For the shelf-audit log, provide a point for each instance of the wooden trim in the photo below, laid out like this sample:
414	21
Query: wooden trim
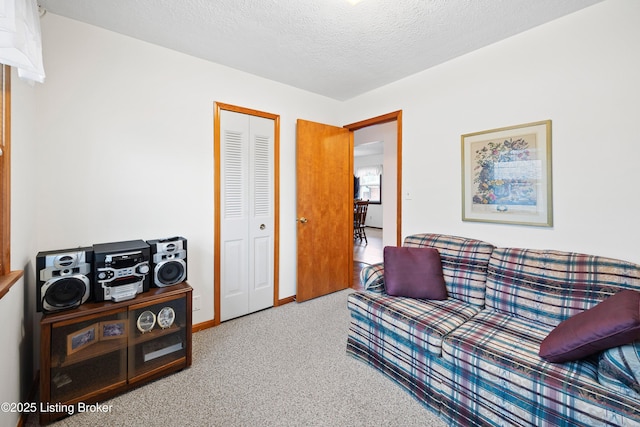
219	106
386	118
276	206
202	326
287	300
399	179
248	111
216	214
8	280
5	171
351	189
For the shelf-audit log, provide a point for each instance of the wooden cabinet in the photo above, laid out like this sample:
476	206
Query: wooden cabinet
99	350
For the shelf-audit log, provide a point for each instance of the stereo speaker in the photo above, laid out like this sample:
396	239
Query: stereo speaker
168	261
63	278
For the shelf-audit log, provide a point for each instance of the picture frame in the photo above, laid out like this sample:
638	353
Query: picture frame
113	329
506	175
83	338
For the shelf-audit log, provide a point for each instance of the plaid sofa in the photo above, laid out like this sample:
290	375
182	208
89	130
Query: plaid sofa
473	358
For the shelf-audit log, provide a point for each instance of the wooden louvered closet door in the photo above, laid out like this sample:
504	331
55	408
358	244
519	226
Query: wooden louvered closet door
247	214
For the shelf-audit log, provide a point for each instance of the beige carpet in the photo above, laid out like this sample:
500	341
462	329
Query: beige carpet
285	366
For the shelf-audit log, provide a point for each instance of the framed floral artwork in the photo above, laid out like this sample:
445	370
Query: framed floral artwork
506	175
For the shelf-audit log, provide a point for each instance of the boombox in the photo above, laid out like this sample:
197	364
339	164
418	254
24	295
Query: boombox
63	278
169	261
121	270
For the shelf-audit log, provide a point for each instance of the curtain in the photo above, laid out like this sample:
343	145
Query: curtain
369	171
20	38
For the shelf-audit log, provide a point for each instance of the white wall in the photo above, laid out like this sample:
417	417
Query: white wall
126	145
18	317
11	340
580	71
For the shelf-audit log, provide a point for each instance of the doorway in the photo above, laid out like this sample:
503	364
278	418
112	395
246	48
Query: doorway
384	132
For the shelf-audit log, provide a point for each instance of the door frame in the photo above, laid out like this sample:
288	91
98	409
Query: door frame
218	107
386	118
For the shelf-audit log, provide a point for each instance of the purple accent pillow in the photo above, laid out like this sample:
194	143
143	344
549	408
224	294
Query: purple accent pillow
414	273
612	323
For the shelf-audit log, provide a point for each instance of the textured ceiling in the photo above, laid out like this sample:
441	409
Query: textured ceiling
329	47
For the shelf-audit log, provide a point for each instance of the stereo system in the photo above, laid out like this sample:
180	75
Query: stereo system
121	270
115	271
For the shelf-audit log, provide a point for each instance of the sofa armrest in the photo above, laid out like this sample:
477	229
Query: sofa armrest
372	278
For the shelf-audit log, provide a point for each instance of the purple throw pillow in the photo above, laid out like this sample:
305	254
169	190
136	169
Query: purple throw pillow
611	323
414	273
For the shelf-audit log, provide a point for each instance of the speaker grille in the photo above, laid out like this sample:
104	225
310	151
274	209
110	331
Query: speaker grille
170	273
65	293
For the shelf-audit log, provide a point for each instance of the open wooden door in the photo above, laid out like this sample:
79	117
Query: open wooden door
324	180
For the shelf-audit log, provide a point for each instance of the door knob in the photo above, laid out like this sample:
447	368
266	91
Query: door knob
262	226
303	220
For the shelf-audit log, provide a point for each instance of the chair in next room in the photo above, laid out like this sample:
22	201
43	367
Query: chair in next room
359	216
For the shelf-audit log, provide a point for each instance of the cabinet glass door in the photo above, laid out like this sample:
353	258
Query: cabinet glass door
88	355
158	336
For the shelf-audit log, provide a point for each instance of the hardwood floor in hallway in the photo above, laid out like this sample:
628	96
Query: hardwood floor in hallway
364	253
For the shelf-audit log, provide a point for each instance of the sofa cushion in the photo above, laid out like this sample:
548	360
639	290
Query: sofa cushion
464	264
418	322
619	369
496	373
611	323
548	286
414	273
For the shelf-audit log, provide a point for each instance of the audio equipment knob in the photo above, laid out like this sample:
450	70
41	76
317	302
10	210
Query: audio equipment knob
102	275
143	269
